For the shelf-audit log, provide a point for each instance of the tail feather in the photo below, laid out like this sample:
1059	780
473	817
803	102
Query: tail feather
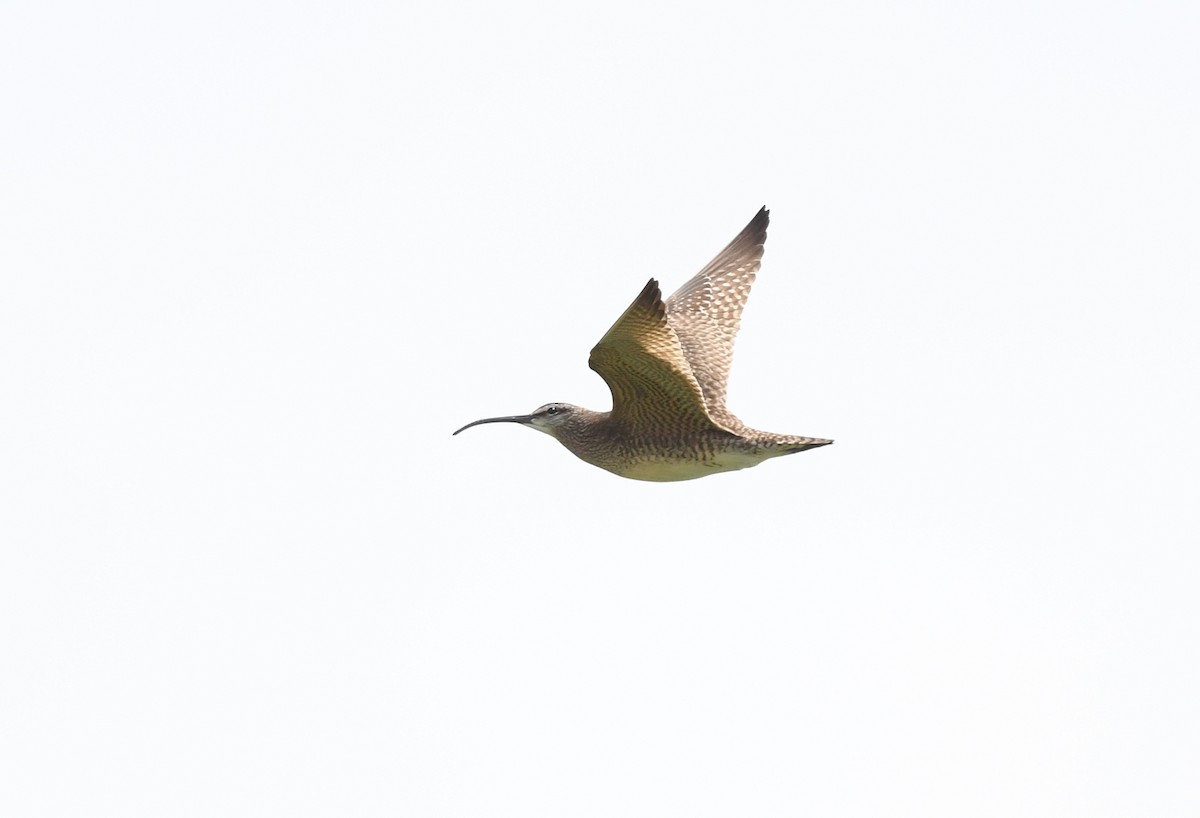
779	445
800	444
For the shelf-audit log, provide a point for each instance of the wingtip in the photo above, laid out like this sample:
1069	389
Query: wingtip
756	228
651	294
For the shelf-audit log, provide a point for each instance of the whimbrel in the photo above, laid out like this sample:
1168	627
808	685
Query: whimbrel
667	364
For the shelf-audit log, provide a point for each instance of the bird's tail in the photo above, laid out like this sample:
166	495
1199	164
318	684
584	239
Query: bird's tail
779	445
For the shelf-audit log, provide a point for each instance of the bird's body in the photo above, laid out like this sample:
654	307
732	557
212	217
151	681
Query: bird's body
667	365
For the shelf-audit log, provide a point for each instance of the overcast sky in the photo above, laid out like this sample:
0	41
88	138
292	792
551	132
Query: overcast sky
259	260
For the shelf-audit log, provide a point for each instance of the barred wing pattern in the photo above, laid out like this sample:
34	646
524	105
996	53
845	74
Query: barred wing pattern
641	360
705	314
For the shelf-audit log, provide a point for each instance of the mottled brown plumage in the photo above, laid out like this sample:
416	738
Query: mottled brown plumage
667	365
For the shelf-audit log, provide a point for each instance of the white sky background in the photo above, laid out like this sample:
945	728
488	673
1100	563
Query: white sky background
260	260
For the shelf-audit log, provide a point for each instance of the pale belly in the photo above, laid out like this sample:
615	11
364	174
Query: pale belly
666	471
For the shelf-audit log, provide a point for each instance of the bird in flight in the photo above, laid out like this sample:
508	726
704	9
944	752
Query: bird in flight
667	365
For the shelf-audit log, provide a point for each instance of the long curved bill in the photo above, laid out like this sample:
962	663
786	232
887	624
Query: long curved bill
510	419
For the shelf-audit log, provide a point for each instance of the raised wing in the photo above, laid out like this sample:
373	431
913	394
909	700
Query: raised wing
706	312
641	361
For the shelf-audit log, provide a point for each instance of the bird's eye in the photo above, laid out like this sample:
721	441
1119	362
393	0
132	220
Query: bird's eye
551	410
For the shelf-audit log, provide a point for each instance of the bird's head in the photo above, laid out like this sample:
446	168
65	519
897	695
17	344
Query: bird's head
549	418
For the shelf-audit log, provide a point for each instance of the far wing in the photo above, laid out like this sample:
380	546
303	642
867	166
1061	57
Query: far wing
706	311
